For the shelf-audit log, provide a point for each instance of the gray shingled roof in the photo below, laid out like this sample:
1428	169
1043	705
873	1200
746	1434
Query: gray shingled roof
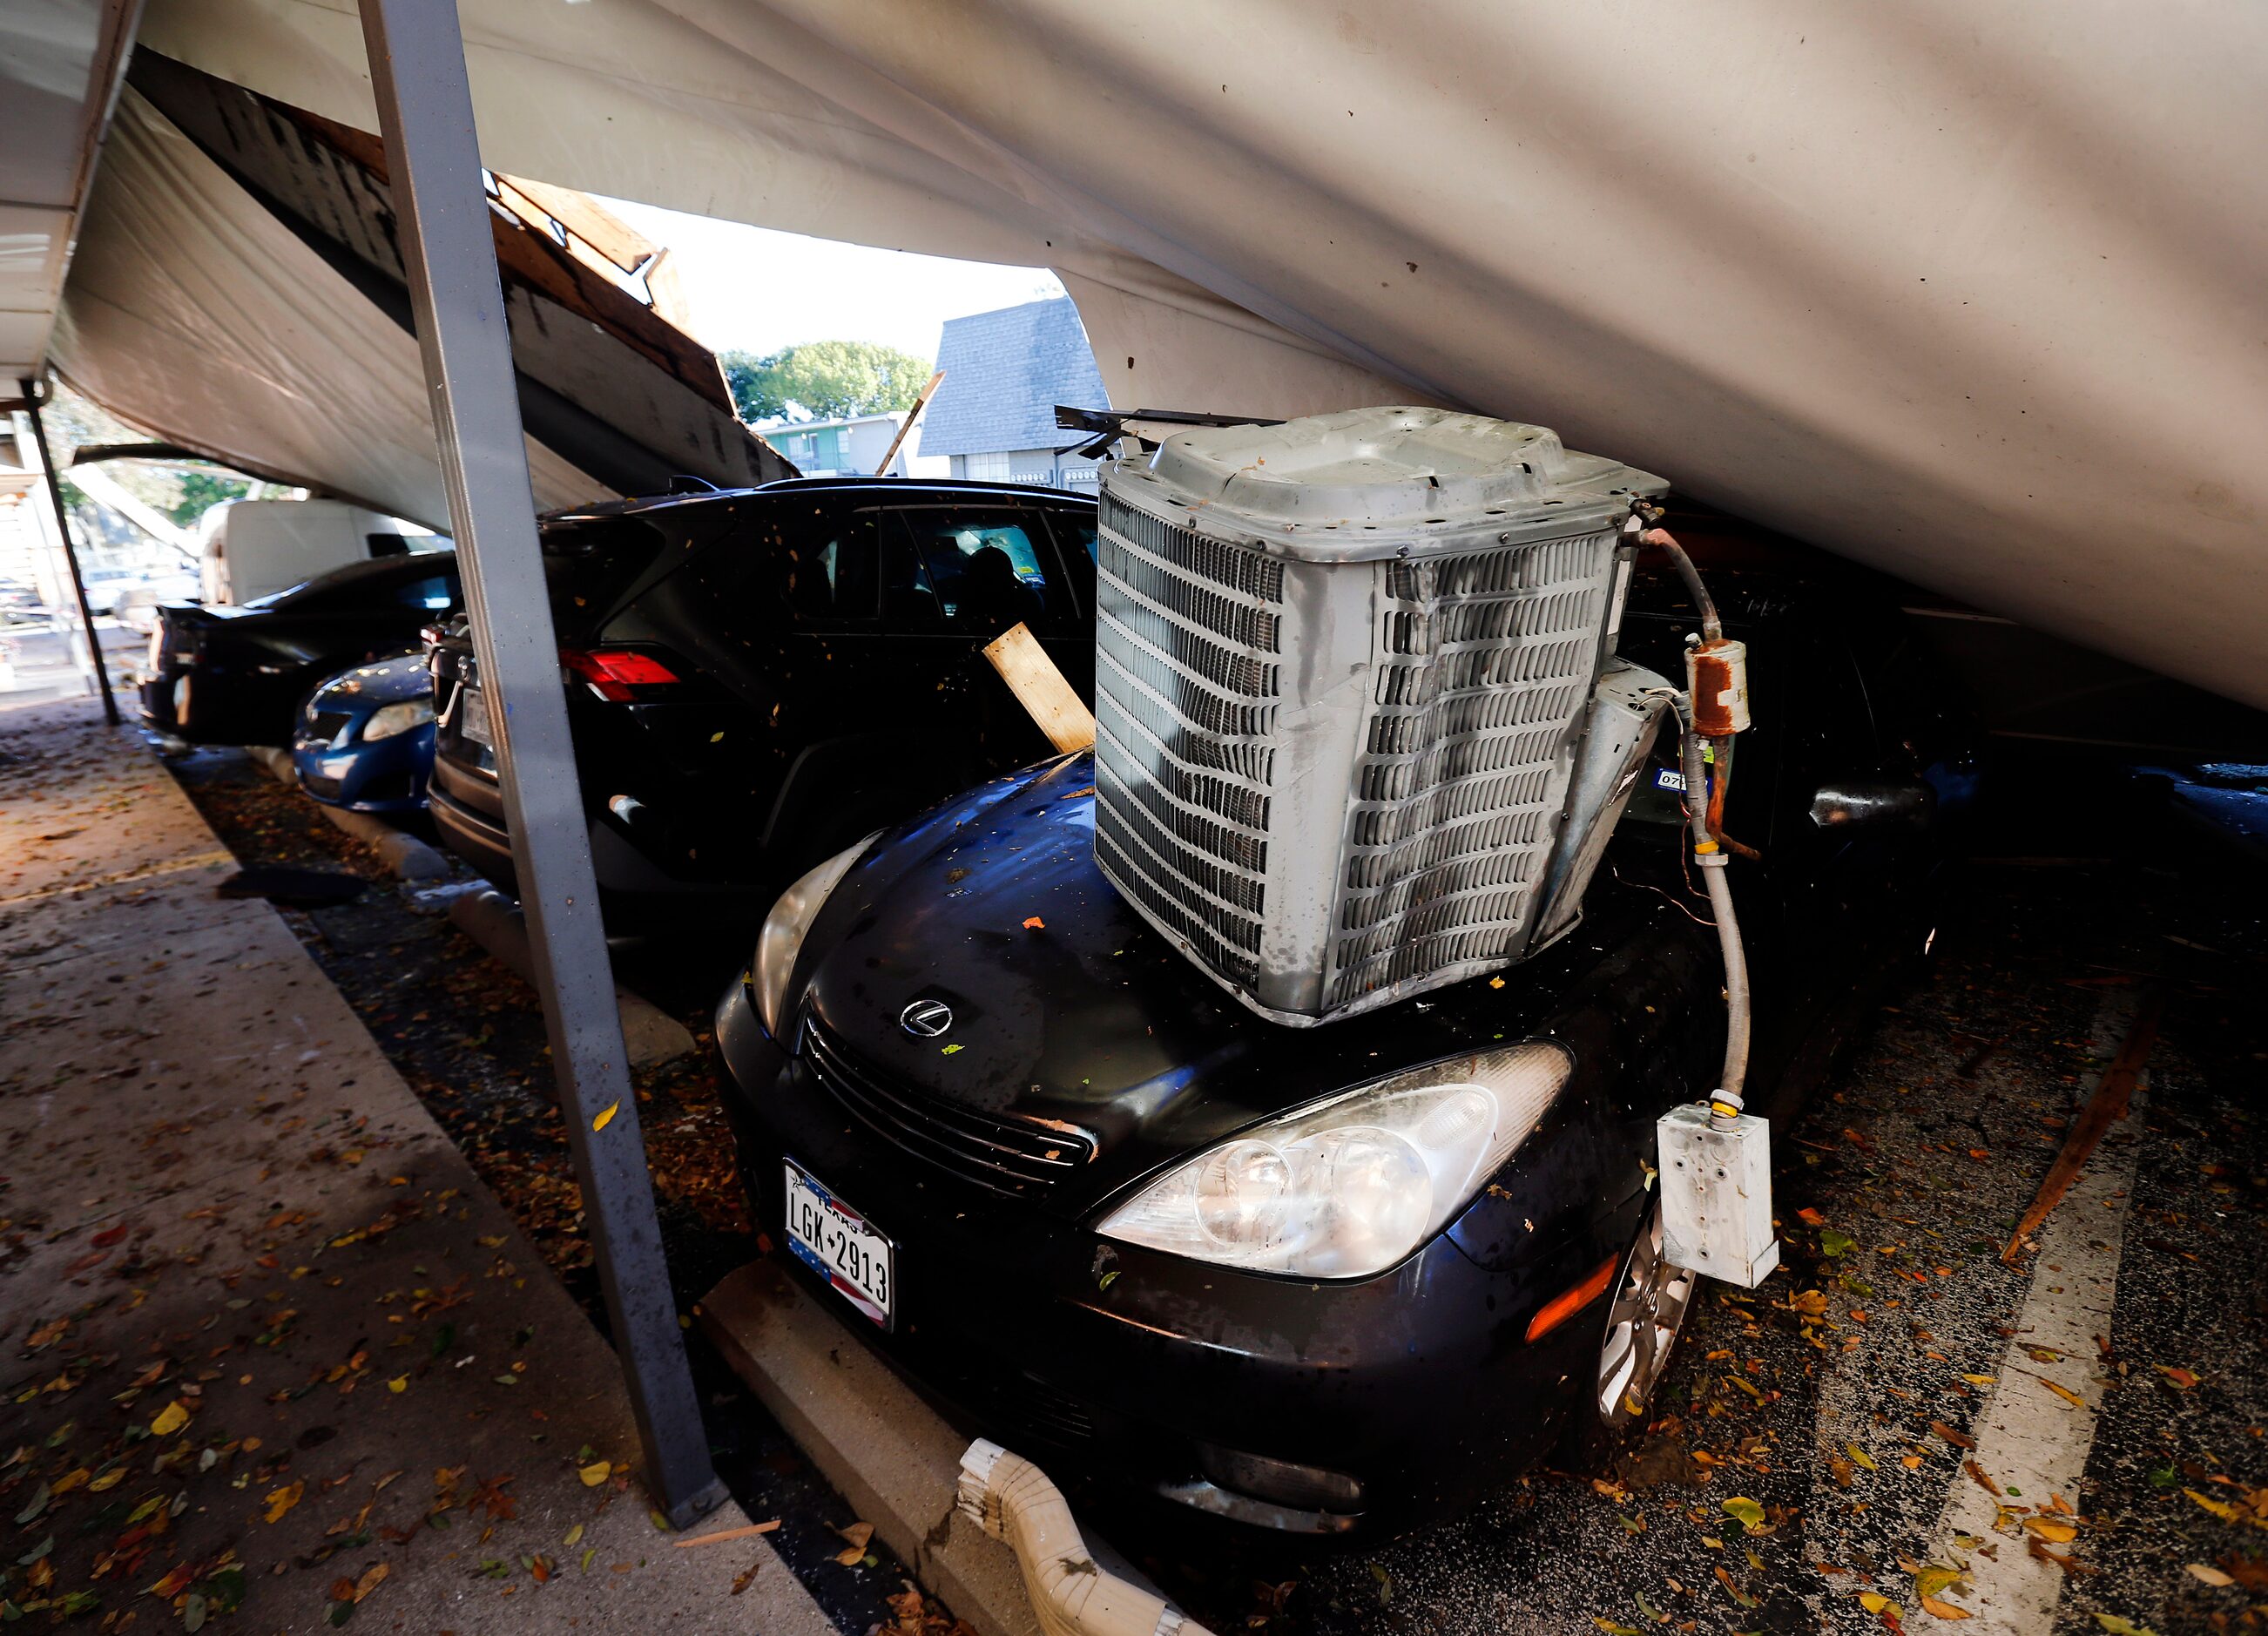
1005	372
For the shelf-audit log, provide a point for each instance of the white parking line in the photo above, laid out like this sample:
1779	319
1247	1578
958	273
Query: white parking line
2030	1441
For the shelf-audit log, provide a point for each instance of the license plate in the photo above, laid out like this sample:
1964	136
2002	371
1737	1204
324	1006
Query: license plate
835	1242
473	715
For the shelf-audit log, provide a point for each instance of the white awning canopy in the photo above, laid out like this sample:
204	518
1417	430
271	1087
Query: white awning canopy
1971	296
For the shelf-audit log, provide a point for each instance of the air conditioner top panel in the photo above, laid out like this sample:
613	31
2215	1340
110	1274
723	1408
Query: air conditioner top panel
1367	484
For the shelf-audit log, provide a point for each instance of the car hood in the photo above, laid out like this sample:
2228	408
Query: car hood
1067	1008
381	683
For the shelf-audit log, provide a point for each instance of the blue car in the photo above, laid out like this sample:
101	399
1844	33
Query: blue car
365	739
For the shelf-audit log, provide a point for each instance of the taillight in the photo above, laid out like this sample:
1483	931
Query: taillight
616	674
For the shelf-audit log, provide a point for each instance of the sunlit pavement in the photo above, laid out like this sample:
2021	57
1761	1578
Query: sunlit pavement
273	1348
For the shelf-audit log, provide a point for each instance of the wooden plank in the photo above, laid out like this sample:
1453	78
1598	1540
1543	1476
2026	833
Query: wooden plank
588	220
2105	1108
1039	688
921	402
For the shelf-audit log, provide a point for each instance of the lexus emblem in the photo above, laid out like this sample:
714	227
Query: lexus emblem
926	1019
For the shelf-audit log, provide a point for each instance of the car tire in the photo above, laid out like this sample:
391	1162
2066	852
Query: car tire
1646	1309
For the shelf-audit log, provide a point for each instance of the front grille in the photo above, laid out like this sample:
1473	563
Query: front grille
1013	1156
326	724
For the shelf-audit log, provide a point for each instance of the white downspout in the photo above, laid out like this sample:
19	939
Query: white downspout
1014	1502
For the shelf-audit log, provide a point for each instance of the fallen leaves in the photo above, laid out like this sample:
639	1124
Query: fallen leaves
606	1116
282	1499
170	1419
1859	1456
854	1552
595	1473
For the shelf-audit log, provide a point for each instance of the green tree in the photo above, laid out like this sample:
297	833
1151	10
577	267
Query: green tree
824	380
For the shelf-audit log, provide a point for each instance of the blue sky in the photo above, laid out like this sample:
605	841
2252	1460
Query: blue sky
754	288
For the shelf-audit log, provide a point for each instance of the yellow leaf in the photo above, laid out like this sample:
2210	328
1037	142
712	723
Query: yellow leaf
574	1536
1978	1380
1746	1512
1875	1602
1930	1580
399	1383
170	1419
108	1479
370	1579
70	1480
595	1473
282	1499
2053	1532
1944	1609
606	1117
857	1534
2226	1513
1863	1458
2063	1392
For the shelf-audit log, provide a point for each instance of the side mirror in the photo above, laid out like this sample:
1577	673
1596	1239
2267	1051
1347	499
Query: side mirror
1874	804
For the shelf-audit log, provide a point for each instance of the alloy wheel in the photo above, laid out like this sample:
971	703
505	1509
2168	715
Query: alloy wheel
1650	1304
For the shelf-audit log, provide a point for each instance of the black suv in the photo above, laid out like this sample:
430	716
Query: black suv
756	678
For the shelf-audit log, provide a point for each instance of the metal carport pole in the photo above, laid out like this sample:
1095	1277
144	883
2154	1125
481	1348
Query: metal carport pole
425	115
34	391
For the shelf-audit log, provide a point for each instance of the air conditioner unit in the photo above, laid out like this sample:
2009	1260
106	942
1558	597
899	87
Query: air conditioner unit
1360	730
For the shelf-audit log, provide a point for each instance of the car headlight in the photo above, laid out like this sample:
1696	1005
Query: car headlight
385	722
1348	1186
782	937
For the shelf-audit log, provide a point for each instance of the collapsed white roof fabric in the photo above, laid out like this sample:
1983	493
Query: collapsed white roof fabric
1973	296
196	315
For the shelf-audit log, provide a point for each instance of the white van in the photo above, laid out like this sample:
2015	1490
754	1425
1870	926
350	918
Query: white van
253	548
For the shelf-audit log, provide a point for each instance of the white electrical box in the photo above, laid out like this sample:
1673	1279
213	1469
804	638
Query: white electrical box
1715	1196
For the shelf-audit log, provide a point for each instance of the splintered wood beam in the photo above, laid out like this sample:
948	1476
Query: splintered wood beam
921	402
1039	688
2105	1108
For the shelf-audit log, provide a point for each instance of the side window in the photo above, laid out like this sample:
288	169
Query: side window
437	594
830	577
986	567
909	604
1075	532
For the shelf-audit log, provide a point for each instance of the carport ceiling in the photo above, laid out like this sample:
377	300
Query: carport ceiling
61	65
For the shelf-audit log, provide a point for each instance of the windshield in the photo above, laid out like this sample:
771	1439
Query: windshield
362	582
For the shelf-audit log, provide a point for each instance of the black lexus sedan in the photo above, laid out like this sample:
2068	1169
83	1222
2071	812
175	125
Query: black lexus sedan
1038	1158
239	675
755	677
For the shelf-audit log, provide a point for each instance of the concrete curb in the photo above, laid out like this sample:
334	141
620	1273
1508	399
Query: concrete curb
883	1448
492	920
410	858
873	1436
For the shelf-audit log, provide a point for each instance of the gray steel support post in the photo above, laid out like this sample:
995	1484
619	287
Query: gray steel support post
33	392
425	114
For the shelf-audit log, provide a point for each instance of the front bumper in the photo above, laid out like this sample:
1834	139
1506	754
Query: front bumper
385	776
1139	1368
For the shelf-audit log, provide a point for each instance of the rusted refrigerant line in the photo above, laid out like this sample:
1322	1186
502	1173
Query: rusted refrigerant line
1716	1166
